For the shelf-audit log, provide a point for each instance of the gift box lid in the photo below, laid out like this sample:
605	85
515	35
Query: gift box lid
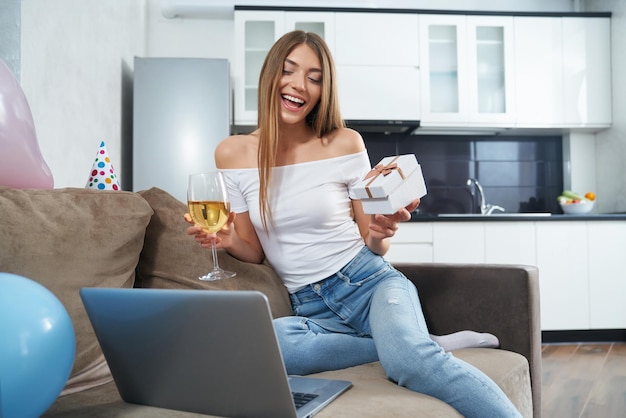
386	176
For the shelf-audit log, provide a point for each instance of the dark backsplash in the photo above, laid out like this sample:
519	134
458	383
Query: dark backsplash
521	174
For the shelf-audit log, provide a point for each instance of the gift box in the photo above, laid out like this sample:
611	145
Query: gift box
391	185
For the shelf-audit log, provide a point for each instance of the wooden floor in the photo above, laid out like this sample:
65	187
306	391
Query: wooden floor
584	380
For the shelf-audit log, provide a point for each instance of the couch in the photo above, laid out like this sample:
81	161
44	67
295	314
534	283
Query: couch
71	238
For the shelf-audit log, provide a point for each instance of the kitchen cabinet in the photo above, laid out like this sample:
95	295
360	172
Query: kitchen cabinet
377	39
255	33
458	242
378	69
586	72
510	243
563	72
467	70
501	242
580	263
321	23
607	284
412	243
384	62
450	71
562	259
373	93
538	72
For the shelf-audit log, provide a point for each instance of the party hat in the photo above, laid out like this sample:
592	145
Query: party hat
102	176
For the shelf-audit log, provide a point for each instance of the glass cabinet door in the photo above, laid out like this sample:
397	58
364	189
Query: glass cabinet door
321	23
259	38
491	68
255	33
467	64
443	51
443	66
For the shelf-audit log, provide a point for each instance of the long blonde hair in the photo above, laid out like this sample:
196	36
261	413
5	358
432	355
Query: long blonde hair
323	119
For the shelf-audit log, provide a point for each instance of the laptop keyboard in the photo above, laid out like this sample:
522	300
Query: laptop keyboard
301	399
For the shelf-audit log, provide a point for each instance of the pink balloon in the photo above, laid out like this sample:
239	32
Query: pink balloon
21	164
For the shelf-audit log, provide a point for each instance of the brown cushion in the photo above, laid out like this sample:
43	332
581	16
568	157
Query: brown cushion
172	259
66	239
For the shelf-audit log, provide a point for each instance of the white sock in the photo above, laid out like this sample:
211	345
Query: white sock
466	339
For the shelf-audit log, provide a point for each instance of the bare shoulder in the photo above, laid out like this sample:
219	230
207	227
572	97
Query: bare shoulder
237	151
346	141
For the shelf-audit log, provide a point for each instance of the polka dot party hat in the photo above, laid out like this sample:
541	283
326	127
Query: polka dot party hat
102	176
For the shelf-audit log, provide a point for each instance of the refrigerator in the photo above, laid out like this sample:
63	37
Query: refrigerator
181	111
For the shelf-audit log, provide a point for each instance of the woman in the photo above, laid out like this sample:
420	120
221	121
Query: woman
290	184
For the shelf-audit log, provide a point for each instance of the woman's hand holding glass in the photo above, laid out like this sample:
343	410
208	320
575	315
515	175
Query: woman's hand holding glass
209	211
221	238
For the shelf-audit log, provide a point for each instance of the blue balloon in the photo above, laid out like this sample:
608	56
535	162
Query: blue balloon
37	347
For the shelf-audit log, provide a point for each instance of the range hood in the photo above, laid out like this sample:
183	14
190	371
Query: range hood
384	126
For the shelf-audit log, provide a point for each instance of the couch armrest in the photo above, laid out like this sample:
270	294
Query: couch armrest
500	299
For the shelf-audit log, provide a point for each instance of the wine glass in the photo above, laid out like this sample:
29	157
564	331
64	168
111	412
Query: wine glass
209	208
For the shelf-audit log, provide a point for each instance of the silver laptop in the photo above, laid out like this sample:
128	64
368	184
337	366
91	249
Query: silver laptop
205	351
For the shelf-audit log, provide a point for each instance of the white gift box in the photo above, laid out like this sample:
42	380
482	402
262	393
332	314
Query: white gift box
391	185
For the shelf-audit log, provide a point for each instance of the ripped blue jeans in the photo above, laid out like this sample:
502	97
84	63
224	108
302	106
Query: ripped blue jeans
369	311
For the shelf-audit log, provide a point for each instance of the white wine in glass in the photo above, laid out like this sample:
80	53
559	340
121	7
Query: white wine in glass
209	208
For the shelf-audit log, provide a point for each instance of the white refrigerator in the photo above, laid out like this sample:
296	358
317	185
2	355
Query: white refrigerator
181	111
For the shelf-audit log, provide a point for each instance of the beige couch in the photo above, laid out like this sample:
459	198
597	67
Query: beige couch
71	238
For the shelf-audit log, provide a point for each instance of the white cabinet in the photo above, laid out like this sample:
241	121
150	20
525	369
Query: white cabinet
562	259
255	33
587	72
510	243
607	284
446	70
321	23
377	39
491	70
377	60
443	73
563	72
412	243
467	70
484	242
538	72
458	242
581	273
374	93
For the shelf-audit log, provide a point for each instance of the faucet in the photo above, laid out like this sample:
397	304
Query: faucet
485	209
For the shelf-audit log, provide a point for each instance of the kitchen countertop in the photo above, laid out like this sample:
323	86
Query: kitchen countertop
508	217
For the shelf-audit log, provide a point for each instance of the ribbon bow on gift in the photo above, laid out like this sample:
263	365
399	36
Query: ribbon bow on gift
384	170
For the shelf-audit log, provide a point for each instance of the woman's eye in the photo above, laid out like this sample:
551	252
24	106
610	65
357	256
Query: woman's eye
315	80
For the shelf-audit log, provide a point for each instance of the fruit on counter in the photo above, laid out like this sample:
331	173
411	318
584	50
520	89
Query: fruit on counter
570	197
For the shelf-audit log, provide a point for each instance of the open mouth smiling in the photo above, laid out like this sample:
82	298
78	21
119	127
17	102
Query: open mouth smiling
293	101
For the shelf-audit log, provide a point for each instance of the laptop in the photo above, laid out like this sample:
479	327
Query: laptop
206	351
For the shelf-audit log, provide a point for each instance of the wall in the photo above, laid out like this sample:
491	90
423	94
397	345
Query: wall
77	75
10	22
611	144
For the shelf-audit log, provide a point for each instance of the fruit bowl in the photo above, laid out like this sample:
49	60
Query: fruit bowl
578	208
